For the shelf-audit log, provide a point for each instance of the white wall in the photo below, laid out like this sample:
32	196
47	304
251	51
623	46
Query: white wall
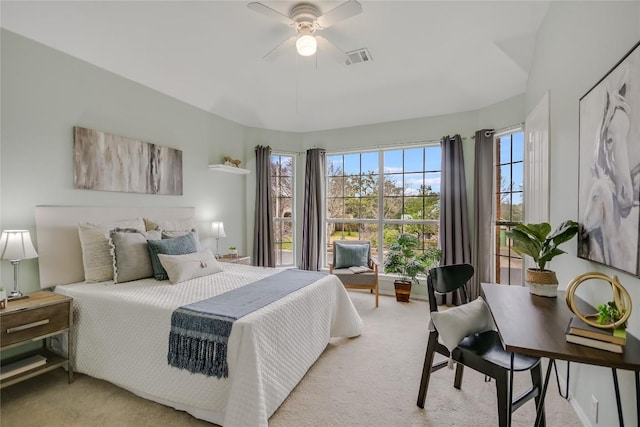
46	93
577	44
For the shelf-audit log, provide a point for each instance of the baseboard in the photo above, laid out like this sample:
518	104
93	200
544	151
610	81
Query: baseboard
584	419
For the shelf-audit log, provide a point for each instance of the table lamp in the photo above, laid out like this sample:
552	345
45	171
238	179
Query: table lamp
15	245
218	231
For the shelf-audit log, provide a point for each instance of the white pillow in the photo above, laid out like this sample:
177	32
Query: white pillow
96	252
456	323
184	267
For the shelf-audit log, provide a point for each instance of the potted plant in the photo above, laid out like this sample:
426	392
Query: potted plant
538	242
233	251
403	260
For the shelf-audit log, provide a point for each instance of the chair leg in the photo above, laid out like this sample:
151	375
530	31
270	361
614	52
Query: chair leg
426	368
457	383
536	380
502	390
377	295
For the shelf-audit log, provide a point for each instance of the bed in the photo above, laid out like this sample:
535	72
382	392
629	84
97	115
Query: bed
121	330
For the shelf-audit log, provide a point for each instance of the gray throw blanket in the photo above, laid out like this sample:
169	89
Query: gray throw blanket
200	331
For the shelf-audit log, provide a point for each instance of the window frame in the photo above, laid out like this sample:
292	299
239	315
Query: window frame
503	225
277	221
380	221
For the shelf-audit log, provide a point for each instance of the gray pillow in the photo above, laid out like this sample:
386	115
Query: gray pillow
177	233
176	246
351	255
131	260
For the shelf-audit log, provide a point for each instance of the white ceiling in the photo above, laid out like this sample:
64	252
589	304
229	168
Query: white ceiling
429	58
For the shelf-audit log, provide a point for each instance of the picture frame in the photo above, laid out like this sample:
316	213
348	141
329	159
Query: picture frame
609	168
106	162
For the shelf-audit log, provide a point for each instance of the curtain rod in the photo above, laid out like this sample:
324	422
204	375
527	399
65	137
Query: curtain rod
501	130
382	146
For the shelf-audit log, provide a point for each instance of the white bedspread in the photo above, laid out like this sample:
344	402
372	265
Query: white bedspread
121	335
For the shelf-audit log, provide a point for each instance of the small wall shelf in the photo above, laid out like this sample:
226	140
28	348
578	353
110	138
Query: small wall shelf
229	169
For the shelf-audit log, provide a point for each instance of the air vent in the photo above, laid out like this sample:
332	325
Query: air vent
358	56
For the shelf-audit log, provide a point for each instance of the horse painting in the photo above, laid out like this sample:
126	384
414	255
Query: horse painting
610	180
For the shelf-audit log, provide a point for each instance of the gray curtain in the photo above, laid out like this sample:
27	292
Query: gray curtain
482	211
263	251
454	217
313	209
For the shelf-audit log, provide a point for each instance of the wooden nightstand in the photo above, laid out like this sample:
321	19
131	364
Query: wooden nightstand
246	260
42	315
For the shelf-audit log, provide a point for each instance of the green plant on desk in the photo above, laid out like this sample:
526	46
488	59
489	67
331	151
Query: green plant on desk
609	313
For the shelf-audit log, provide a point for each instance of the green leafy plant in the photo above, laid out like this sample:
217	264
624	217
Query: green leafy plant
232	248
535	241
403	259
609	313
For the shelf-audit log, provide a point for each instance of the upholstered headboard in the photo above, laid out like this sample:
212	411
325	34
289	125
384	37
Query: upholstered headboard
59	252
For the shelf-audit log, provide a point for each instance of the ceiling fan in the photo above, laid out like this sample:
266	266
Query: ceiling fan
307	19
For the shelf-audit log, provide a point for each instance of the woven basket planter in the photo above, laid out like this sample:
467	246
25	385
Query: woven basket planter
403	290
542	282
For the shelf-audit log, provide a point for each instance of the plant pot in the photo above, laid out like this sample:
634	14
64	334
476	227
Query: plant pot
403	290
542	282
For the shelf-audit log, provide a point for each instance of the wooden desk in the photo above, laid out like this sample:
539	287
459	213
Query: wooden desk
535	326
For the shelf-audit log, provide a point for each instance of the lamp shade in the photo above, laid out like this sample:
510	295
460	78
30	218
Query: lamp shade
218	229
16	245
306	45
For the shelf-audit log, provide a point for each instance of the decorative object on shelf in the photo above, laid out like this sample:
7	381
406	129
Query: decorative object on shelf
609	169
403	259
233	251
3	298
619	307
231	162
107	162
217	227
15	245
535	241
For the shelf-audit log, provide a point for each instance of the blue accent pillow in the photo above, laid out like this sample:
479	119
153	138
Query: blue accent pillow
181	245
351	255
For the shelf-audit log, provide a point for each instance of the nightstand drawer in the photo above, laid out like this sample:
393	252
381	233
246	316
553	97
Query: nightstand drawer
28	324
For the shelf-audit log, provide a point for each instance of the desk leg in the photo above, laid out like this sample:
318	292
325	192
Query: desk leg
510	400
543	393
566	391
637	396
617	390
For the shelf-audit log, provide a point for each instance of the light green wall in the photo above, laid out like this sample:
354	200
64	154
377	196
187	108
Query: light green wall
569	60
46	93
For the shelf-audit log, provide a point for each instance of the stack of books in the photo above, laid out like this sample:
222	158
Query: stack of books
612	340
21	366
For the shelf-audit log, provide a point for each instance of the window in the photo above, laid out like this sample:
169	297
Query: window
282	210
508	205
377	195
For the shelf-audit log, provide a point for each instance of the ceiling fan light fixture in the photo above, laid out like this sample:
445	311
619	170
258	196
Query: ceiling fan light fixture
306	45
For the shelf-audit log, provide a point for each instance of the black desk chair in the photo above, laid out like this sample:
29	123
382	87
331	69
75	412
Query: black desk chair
482	352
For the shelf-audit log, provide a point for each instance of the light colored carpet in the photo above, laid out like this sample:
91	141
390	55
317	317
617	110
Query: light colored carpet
371	380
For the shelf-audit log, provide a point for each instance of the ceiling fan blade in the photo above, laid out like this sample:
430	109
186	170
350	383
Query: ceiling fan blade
266	10
280	49
334	51
345	10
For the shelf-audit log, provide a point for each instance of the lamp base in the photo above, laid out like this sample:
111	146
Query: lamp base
16	295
